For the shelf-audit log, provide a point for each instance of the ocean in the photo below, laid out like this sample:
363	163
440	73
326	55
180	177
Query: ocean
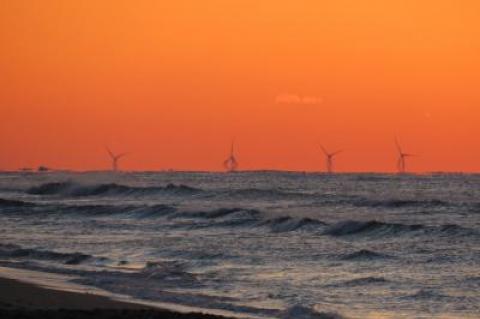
261	244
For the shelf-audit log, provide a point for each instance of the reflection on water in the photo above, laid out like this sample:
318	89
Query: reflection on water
268	244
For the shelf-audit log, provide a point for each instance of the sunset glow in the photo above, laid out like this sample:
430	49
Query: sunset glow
173	82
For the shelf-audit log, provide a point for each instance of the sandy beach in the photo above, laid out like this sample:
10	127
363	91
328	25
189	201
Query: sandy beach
25	300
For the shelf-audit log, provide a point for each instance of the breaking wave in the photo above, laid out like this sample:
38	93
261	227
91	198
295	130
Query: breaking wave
74	189
254	193
378	229
220	213
128	211
14	251
240	217
288	224
140	211
221	217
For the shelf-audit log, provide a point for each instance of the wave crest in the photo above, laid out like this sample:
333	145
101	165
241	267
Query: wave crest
289	224
14	251
378	229
73	189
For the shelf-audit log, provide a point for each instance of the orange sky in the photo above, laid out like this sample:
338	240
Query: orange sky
173	81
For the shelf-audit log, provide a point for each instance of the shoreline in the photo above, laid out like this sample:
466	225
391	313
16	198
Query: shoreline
20	299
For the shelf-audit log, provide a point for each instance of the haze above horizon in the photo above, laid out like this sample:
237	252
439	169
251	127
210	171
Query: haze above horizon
172	82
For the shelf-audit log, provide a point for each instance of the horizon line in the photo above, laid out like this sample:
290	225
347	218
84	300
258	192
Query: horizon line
393	172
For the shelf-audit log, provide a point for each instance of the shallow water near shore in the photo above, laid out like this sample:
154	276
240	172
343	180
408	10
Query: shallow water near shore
272	244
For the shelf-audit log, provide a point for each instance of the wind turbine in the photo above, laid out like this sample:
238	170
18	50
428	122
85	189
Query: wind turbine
115	158
401	163
231	163
329	158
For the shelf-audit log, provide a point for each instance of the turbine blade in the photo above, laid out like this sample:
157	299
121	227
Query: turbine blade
120	155
337	152
110	152
324	150
399	148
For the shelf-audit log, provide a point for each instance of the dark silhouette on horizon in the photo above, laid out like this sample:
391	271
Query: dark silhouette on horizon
329	158
401	163
115	158
231	163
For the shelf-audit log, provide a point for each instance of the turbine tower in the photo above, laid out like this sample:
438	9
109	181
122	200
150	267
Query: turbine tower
329	158
115	158
401	163
231	163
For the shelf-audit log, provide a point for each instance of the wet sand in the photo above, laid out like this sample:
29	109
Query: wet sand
24	300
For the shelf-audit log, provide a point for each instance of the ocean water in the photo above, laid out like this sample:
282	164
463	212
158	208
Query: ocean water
261	244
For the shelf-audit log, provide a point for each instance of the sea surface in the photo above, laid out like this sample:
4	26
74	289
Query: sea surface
261	244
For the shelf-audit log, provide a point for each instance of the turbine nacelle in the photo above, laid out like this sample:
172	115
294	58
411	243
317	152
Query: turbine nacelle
329	158
401	163
115	158
231	163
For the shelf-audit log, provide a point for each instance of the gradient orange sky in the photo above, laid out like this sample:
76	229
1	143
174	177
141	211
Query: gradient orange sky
173	82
